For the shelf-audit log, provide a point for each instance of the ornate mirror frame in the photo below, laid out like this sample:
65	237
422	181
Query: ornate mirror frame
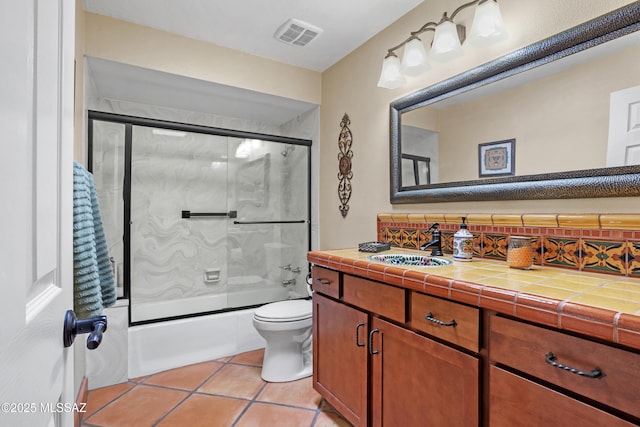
602	182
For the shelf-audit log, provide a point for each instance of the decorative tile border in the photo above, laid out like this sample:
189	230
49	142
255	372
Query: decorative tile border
599	243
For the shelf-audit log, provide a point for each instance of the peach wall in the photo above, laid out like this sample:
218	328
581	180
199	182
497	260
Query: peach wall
350	87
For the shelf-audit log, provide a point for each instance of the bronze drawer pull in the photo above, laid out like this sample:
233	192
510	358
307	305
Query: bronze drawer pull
323	281
430	318
551	360
358	343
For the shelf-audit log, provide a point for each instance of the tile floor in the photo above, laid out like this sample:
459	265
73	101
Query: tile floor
224	392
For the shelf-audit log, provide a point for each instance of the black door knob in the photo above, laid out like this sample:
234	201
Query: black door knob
94	326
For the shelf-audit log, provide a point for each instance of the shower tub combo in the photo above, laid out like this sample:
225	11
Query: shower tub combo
204	225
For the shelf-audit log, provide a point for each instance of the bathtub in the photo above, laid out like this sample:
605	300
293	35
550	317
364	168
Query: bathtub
171	344
236	297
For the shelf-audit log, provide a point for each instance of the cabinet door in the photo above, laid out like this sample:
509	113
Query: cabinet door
518	402
419	382
340	357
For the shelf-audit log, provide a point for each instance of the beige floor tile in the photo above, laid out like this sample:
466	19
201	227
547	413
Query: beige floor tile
205	411
253	358
293	393
101	396
163	399
185	378
270	415
141	407
235	381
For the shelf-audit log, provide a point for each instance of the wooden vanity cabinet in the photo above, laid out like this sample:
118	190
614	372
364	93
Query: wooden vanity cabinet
363	347
388	356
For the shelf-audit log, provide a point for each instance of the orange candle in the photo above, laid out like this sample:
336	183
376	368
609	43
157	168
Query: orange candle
520	252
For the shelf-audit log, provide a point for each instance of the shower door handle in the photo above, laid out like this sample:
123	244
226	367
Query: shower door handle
230	214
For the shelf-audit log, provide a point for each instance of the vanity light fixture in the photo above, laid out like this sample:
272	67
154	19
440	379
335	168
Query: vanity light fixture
487	28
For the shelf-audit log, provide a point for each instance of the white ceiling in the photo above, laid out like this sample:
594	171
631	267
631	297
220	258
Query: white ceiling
249	25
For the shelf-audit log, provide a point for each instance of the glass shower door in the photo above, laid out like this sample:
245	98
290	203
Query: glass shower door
108	173
269	239
200	220
178	260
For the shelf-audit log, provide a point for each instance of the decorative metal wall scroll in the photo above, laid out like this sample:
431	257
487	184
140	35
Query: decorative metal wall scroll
344	164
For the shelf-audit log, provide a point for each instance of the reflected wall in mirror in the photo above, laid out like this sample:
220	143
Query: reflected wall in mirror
567	101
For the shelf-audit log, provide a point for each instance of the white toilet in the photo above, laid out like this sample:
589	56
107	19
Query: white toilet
286	327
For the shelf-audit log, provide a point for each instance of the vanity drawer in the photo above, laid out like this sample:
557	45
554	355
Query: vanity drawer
466	331
533	350
326	281
515	401
378	298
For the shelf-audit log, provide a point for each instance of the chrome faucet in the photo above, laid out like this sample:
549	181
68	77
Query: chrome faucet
436	241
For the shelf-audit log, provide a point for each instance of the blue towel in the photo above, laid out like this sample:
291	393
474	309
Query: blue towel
94	287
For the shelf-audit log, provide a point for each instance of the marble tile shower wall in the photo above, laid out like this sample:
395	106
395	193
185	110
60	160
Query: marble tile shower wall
600	243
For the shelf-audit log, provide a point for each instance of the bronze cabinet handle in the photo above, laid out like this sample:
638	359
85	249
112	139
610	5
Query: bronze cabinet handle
358	343
371	350
551	359
430	318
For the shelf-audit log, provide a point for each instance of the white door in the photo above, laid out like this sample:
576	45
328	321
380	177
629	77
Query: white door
624	128
36	271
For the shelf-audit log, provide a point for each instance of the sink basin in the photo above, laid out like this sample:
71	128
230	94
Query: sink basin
413	260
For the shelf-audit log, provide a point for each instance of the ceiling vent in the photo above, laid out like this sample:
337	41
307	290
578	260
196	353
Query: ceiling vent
297	32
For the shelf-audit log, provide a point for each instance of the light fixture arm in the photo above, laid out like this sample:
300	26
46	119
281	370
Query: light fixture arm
428	26
463	7
414	35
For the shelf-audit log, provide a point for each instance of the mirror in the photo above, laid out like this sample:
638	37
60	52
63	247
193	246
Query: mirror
470	125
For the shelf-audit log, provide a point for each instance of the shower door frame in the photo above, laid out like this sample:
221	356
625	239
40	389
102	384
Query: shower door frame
129	122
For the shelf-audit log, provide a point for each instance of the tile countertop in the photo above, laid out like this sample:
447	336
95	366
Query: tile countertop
597	305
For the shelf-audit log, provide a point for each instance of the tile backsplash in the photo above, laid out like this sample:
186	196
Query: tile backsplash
599	243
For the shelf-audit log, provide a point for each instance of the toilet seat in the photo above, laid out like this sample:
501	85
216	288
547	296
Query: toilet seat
284	311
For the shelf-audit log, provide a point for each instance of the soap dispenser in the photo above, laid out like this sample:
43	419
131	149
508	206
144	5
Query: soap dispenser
463	243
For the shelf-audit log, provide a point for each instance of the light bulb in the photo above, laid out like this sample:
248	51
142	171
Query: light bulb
414	60
391	76
487	27
446	42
